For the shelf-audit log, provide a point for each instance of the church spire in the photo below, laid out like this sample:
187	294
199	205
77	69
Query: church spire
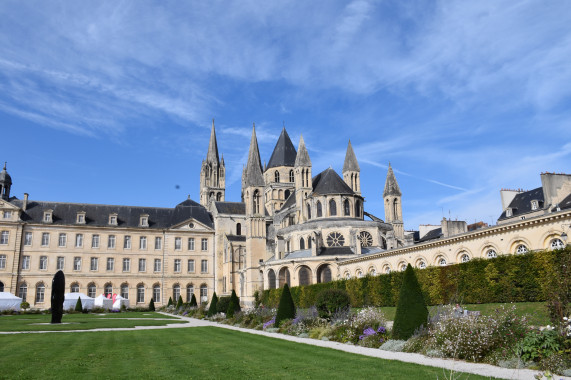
253	172
284	152
350	163
212	155
391	185
302	158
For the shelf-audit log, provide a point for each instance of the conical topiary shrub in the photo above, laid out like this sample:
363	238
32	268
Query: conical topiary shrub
58	290
411	308
78	305
193	302
234	305
152	305
170	302
179	303
286	308
213	305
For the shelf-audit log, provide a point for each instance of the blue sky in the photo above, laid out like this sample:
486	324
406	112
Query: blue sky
112	101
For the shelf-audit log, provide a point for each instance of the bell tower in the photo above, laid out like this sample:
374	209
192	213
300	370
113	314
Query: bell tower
351	170
212	174
303	184
393	206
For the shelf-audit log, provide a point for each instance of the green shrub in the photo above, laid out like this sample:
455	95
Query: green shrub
152	305
170	303
179	303
411	312
25	305
222	304
213	304
331	300
286	308
233	305
78	305
537	345
193	302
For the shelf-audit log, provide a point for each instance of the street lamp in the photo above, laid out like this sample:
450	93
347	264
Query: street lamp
564	235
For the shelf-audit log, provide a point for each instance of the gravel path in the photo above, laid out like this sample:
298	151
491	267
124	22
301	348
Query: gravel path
447	365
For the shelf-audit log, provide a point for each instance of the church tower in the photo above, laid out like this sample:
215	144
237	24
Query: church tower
303	184
279	174
253	197
212	174
393	207
352	171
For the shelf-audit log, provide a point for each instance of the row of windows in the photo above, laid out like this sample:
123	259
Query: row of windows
277	176
110	264
333	208
111	241
80	218
124	291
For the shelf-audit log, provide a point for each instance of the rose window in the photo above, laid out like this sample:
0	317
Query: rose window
557	244
366	239
335	239
521	249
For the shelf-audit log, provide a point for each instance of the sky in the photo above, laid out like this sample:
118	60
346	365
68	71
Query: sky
112	101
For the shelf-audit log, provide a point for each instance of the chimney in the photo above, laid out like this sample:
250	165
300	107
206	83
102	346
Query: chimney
25	205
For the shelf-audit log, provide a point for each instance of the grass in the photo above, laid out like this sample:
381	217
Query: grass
536	311
35	322
191	353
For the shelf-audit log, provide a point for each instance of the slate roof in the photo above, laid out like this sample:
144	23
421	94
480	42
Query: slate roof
431	235
329	182
350	163
391	185
371	250
252	175
334	251
127	216
289	202
236	208
521	204
284	153
5	177
299	254
565	203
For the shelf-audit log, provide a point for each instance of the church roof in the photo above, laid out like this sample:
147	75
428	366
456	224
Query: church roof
391	185
350	164
284	153
236	208
212	155
289	202
329	182
127	216
253	171
302	158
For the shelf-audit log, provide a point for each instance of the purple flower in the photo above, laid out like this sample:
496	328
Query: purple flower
367	332
269	323
381	330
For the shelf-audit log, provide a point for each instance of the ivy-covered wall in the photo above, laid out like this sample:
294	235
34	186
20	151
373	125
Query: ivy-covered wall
510	278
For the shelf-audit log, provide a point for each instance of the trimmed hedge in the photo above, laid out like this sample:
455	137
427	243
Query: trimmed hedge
508	278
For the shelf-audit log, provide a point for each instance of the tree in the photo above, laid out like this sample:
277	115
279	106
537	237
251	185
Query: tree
286	308
179	303
58	290
193	302
411	308
213	305
78	305
234	305
170	302
152	305
330	301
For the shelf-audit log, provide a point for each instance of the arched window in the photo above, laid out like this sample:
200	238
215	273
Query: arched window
521	249
395	209
557	244
276	176
284	277
318	207
256	209
304	276
387	269
156	293
175	293
91	290
238	229
358	209
287	193
332	207
383	242
189	292
74	288
125	291
301	243
308	211
464	258
346	207
23	291
324	274
309	242
422	264
291	178
442	261
40	292
1	286
108	290
491	254
219	196
307	178
203	293
271	279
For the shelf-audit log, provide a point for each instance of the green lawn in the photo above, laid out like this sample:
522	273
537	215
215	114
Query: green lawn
36	322
536	311
190	353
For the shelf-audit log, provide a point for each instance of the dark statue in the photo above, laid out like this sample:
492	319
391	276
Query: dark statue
58	289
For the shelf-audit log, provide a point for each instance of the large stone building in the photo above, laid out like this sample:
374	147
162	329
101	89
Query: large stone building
292	225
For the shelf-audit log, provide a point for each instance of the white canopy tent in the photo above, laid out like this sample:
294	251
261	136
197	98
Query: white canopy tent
102	301
71	300
8	301
119	302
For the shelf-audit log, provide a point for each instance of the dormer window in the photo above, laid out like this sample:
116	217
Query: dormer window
48	216
534	205
508	212
144	220
113	219
80	219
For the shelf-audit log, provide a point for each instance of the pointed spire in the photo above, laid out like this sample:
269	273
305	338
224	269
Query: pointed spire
350	164
391	185
302	158
222	160
284	153
253	172
212	155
